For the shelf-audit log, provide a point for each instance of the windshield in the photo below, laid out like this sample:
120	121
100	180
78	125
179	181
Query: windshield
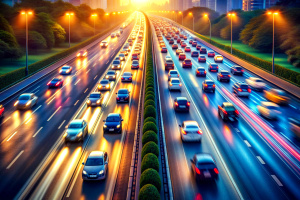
230	108
175	81
95	96
111	73
75	125
127	74
273	107
225	73
24	97
173	72
135	62
192	126
94	162
116	62
104	82
55	79
182	101
66	67
244	86
122	92
113	119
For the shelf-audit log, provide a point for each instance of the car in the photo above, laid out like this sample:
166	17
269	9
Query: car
116	64
135	64
126	77
135	56
241	89
104	44
198	47
190	41
168	57
223	75
295	126
171	41
203	50
218	58
76	131
55	82
111	75
201	58
200	71
95	167
194	43
113	35
185	37
113	123
169	64
82	53
122	57
187	63
162	44
181	104
178	41
208	85
204	167
256	83
190	131
164	50
174	84
237	70
118	34
26	101
124	51
1	110
277	96
268	110
95	99
175	46
104	84
213	67
182	56
195	54
227	111
65	70
173	74
122	95
183	44
179	51
129	40
210	54
175	37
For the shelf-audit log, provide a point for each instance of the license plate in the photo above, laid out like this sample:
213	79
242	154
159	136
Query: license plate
181	106
111	129
207	174
93	176
93	103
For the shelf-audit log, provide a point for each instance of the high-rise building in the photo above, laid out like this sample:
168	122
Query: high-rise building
249	5
202	3
221	6
75	2
187	4
234	4
211	4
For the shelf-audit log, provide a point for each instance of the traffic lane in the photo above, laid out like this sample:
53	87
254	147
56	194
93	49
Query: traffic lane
194	86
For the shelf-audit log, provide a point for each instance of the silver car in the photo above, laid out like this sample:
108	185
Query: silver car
116	64
65	70
173	74
104	85
174	84
126	77
190	131
95	166
95	99
26	101
122	57
111	75
76	131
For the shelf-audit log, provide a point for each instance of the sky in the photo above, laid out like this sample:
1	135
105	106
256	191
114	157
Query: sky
160	2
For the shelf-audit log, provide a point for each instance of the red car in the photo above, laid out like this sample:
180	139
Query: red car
164	50
191	41
176	37
187	63
135	56
1	111
201	59
183	44
187	49
198	47
55	82
175	46
211	54
182	56
194	43
178	40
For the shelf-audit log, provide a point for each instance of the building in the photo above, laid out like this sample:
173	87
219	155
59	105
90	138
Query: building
249	5
211	4
203	3
221	6
234	4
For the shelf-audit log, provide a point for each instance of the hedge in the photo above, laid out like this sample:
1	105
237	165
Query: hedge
149	89
150	93
149	136
149	112
149	119
150	147
150	126
149	97
149	102
150	161
17	75
149	192
150	176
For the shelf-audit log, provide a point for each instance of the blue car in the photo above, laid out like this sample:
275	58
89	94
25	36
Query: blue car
113	123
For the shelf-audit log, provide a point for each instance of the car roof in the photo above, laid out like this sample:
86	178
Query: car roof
95	93
227	104
111	71
205	158
201	68
209	81
113	115
96	154
126	73
123	89
174	79
76	121
190	122
224	71
173	71
26	94
181	98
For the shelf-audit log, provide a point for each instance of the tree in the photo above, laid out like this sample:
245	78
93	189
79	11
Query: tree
247	33
4	25
35	40
9	39
59	33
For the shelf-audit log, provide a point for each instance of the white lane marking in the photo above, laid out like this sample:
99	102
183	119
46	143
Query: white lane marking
51	100
247	143
11	136
86	90
260	160
53	114
6	120
14	160
37	109
277	180
61	124
28	121
88	71
76	102
95	77
94	65
237	130
107	62
37	132
293	106
77	82
36	91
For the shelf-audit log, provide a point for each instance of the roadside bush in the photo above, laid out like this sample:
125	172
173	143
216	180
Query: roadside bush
150	176
150	93
149	136
150	147
149	97
149	102
150	161
150	126
149	192
149	84
149	89
150	119
150	111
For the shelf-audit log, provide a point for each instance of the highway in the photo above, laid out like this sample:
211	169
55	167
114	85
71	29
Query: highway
27	137
250	167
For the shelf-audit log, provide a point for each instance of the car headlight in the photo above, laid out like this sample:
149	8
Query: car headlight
107	76
16	103
118	126
104	126
88	101
101	172
114	76
99	86
107	86
65	135
84	172
98	101
79	134
28	103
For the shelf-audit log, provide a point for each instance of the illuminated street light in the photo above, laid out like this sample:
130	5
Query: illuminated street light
191	14
26	13
273	44
69	14
231	15
206	15
94	16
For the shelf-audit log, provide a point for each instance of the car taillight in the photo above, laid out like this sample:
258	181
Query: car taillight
204	72
214	85
49	83
199	132
210	66
216	170
171	84
240	90
118	98
221	75
237	112
205	85
178	75
198	72
228	75
188	103
176	104
57	83
197	171
180	84
183	132
242	70
123	78
130	78
249	90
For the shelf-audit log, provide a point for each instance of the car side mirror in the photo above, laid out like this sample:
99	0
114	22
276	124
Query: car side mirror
82	163
104	120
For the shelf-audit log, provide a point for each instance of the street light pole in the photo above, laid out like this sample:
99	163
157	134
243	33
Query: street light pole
26	13
231	15
94	16
209	27
273	44
69	15
191	14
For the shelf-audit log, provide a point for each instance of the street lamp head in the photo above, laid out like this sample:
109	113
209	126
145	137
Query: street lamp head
23	13
27	12
205	15
114	13
106	14
30	13
272	13
180	12
190	13
94	15
231	14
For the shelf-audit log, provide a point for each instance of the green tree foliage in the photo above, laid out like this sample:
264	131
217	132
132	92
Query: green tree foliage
262	38
4	25
247	33
35	39
149	192
8	38
59	33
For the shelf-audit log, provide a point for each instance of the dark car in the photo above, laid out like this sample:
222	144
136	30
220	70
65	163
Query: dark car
227	111
116	64
95	99
194	43
169	64
195	54
241	89
210	54
113	123
238	70
198	47
223	75
190	41
200	71
181	104
175	46
55	82
171	41
122	95
187	63
201	59
203	50
164	50
213	67
204	167
182	56
208	85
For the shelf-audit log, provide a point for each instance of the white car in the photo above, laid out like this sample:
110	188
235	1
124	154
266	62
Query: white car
65	70
174	84
173	74
26	101
269	110
103	44
218	58
256	83
104	85
190	131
